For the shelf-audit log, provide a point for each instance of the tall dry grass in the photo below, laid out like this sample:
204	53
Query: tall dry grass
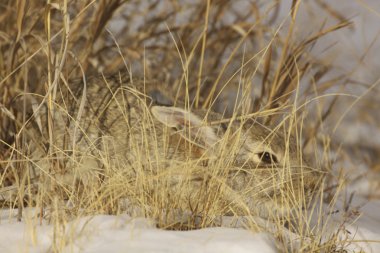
241	61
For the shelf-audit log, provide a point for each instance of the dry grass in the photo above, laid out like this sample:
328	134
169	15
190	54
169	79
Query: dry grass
205	51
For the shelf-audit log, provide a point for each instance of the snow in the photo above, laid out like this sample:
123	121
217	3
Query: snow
106	233
362	230
367	228
123	234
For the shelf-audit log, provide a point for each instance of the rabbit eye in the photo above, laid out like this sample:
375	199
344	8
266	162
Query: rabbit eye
268	158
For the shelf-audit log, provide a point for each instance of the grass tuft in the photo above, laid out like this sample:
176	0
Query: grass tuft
239	58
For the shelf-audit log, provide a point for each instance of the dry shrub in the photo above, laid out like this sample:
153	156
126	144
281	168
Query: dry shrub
211	54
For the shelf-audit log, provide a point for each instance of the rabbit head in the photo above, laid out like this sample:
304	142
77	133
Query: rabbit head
266	171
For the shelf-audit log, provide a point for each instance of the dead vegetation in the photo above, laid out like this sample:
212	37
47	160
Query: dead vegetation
238	57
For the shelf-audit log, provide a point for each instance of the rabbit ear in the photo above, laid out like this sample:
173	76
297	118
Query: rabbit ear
191	126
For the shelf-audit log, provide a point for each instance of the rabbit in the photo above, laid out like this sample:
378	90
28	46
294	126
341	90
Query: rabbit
118	122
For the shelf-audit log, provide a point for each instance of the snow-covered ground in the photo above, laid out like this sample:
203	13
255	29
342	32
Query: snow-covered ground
123	234
103	233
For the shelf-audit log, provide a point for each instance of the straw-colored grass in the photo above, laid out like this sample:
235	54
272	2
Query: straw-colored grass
200	52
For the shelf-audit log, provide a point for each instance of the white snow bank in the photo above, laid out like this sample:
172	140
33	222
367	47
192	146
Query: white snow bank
359	227
123	234
366	230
